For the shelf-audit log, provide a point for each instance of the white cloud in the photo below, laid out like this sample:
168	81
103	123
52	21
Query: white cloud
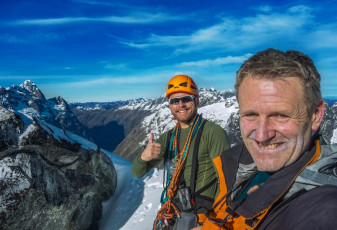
104	3
30	38
113	80
300	9
324	37
273	24
49	21
239	33
218	61
133	18
114	66
264	8
156	40
9	38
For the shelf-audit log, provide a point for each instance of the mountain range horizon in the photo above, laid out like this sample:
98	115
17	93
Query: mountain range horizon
91	103
123	127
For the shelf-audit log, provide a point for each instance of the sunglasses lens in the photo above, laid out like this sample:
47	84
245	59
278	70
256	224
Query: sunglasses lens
174	101
185	99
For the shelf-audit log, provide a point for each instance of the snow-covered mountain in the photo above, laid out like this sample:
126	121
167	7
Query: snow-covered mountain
143	116
29	100
214	105
100	105
50	178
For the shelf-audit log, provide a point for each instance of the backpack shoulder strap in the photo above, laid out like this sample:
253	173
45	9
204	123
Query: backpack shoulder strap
195	157
166	155
167	147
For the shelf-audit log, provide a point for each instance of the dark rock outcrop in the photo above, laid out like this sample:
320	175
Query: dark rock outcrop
10	127
49	179
51	184
46	187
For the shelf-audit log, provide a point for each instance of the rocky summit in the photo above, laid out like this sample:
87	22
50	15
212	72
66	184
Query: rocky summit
50	178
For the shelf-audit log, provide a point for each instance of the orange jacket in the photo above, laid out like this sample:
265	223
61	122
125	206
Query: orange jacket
254	209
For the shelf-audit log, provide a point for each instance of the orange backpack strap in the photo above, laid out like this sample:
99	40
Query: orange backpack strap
222	181
223	217
219	201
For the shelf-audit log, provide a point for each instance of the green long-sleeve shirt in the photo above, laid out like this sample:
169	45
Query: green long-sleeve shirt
213	142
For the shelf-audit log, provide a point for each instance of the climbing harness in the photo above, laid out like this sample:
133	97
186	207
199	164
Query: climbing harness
169	211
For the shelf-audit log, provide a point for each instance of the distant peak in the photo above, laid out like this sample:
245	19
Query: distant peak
28	83
32	89
204	89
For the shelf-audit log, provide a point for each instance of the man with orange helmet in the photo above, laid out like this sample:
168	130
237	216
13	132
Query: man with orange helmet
187	151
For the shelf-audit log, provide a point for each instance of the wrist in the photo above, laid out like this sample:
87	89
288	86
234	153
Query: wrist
144	158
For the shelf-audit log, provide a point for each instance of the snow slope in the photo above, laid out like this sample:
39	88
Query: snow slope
136	200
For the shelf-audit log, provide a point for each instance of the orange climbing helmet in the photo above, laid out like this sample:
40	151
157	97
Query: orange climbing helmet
181	84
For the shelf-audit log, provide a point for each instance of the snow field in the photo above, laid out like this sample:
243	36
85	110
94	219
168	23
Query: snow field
136	200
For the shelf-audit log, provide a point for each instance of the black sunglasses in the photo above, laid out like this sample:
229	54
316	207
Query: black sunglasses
184	99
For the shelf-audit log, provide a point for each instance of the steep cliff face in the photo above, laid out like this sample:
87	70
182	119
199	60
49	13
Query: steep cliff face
123	118
50	178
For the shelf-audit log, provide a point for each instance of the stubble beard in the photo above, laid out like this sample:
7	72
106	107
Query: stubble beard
188	120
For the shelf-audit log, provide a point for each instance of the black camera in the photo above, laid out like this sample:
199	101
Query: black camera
185	199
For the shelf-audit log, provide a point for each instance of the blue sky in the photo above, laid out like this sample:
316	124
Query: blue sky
102	50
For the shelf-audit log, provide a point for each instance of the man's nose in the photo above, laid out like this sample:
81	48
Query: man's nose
264	130
181	103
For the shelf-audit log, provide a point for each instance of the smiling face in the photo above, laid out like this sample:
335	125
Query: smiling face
184	112
274	122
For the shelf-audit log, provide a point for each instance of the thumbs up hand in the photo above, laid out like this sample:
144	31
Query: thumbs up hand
152	150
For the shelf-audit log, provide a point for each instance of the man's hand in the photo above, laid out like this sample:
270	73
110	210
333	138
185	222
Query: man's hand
151	151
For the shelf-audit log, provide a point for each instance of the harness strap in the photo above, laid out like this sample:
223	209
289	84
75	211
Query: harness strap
167	149
166	155
205	187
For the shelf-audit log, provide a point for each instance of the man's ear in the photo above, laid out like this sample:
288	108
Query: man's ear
317	116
